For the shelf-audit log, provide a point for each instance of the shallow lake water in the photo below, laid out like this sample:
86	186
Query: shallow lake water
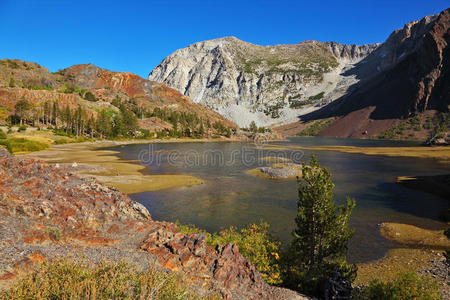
232	197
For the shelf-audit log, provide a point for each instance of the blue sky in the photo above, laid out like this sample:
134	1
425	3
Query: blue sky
135	36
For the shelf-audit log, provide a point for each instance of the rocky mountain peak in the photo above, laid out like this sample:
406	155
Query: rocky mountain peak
266	84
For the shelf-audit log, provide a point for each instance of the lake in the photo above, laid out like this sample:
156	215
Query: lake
231	197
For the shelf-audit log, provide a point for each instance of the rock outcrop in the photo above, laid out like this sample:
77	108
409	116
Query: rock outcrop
46	213
265	84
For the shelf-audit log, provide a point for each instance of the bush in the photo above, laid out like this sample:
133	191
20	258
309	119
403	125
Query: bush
7	145
61	141
65	279
22	128
2	135
255	243
407	285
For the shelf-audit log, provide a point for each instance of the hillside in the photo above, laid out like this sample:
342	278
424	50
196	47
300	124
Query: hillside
92	92
404	88
266	84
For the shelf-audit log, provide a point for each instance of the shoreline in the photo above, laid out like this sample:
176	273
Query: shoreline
419	250
439	153
92	160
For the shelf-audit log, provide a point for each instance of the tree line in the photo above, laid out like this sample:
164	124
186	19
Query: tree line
76	120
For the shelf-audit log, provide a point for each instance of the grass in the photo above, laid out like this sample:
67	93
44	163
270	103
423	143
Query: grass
275	159
439	153
413	236
406	285
111	170
65	279
22	145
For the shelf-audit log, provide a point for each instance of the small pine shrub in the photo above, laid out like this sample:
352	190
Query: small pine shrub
22	128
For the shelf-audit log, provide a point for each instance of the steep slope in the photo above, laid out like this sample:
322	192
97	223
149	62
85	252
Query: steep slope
266	84
95	89
410	76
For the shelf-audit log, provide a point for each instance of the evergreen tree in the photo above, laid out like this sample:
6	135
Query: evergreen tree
321	236
23	110
55	113
253	128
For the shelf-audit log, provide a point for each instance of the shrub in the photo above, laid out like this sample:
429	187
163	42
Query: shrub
2	134
255	243
64	279
61	141
54	233
7	145
407	285
22	128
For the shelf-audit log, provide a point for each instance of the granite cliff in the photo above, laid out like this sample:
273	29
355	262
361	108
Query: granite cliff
266	84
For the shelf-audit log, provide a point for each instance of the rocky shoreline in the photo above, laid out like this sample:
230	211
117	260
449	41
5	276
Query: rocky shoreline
49	213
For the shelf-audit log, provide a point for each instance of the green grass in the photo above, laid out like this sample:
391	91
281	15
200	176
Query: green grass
65	279
15	145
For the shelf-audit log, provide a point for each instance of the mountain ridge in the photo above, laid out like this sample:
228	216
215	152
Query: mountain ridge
228	74
311	79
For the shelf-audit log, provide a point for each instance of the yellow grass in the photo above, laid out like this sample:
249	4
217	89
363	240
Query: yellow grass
275	159
108	168
440	153
396	261
414	236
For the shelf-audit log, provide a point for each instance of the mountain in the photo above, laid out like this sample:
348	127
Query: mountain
265	84
397	89
95	89
406	78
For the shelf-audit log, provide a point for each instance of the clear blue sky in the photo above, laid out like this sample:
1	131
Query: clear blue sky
135	36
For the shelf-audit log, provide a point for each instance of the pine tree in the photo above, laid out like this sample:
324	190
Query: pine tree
321	235
23	109
55	113
253	128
